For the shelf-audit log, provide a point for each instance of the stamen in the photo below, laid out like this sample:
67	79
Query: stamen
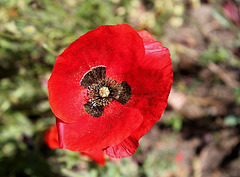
101	91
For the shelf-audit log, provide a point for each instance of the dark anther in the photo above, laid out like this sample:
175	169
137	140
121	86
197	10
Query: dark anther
101	91
93	110
124	93
96	74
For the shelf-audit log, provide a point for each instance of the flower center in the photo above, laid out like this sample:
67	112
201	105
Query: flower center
101	91
104	92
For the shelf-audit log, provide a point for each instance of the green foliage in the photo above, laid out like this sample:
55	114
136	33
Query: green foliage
175	122
232	120
159	165
221	19
214	54
237	95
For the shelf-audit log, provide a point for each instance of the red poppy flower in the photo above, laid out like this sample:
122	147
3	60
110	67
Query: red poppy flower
108	88
51	138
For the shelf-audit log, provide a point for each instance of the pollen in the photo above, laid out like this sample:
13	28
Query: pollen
104	92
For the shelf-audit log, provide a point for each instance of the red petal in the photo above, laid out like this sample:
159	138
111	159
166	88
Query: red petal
151	112
97	156
65	97
51	137
151	84
125	149
117	47
156	80
90	133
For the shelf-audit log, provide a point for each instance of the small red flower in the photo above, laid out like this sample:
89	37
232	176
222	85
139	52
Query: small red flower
108	88
179	157
51	139
97	156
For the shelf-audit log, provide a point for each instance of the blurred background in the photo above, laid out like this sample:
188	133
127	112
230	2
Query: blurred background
199	133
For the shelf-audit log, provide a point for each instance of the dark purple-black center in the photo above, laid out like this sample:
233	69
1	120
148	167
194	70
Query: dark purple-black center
101	90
